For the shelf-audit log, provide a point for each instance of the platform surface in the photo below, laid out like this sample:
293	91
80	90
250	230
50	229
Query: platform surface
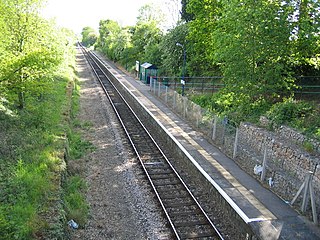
269	216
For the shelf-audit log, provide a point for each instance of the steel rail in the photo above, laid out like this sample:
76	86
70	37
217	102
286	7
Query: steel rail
98	65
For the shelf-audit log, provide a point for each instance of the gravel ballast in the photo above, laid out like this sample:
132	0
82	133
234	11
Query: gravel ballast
122	204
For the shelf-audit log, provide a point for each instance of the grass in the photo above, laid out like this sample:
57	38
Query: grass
75	203
76	206
32	163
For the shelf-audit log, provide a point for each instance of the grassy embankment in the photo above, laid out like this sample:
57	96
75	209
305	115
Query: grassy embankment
37	193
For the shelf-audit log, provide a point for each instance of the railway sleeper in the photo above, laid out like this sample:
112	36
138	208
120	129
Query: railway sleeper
173	205
189	223
167	184
164	176
180	197
206	235
183	213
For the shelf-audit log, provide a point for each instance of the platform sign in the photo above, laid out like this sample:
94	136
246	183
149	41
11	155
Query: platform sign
183	82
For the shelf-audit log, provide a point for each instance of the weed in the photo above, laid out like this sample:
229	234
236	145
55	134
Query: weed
75	203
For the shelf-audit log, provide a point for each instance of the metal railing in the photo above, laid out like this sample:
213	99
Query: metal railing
219	130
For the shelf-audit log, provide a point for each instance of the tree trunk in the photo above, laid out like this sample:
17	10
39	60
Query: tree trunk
21	100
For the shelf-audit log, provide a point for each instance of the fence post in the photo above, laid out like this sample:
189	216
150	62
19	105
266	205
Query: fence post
174	99
184	107
313	203
198	116
214	129
264	164
235	147
166	97
159	88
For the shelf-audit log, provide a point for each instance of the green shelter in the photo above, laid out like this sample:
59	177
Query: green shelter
147	70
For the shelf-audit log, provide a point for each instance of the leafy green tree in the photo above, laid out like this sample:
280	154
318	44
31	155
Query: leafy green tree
89	36
150	13
108	35
304	19
252	42
172	55
186	15
146	36
31	49
205	17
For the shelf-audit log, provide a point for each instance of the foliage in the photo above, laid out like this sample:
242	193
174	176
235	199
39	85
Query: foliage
30	164
301	115
33	53
259	47
172	55
32	48
129	44
201	48
145	40
109	31
186	16
75	203
89	36
77	146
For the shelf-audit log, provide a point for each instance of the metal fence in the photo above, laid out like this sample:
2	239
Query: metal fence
252	151
210	85
217	129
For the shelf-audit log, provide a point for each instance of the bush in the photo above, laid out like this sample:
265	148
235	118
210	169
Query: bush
301	115
289	111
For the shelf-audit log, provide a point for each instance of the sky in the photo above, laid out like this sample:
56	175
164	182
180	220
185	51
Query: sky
77	14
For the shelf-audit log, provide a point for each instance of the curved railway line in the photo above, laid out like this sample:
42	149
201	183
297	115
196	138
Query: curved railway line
187	218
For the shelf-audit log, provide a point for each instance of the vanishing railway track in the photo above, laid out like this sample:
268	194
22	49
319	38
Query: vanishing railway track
187	218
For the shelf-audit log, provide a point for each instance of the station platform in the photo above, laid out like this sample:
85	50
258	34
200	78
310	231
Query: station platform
270	216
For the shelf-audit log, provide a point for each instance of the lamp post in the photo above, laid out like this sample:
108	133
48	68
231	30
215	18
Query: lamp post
183	82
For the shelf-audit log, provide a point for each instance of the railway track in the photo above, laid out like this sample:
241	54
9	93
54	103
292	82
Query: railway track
187	218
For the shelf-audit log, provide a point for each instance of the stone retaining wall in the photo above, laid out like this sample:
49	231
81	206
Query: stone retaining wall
287	162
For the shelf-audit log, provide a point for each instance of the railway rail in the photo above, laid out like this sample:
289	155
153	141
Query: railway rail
187	218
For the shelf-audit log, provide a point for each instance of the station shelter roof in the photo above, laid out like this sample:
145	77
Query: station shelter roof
147	65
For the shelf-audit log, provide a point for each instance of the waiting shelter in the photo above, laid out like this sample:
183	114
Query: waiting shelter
147	70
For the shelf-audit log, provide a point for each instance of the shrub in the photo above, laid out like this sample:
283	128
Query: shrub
301	115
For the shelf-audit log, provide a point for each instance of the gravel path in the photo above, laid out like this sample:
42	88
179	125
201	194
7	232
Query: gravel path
122	205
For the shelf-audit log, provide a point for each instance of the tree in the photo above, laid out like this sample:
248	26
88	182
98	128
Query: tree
205	14
31	48
186	15
172	56
304	17
145	40
108	34
89	36
146	36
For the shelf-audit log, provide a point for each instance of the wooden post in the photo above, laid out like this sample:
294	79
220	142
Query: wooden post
308	188
313	203
305	193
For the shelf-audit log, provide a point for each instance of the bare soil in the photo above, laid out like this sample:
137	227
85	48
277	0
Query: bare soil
122	204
